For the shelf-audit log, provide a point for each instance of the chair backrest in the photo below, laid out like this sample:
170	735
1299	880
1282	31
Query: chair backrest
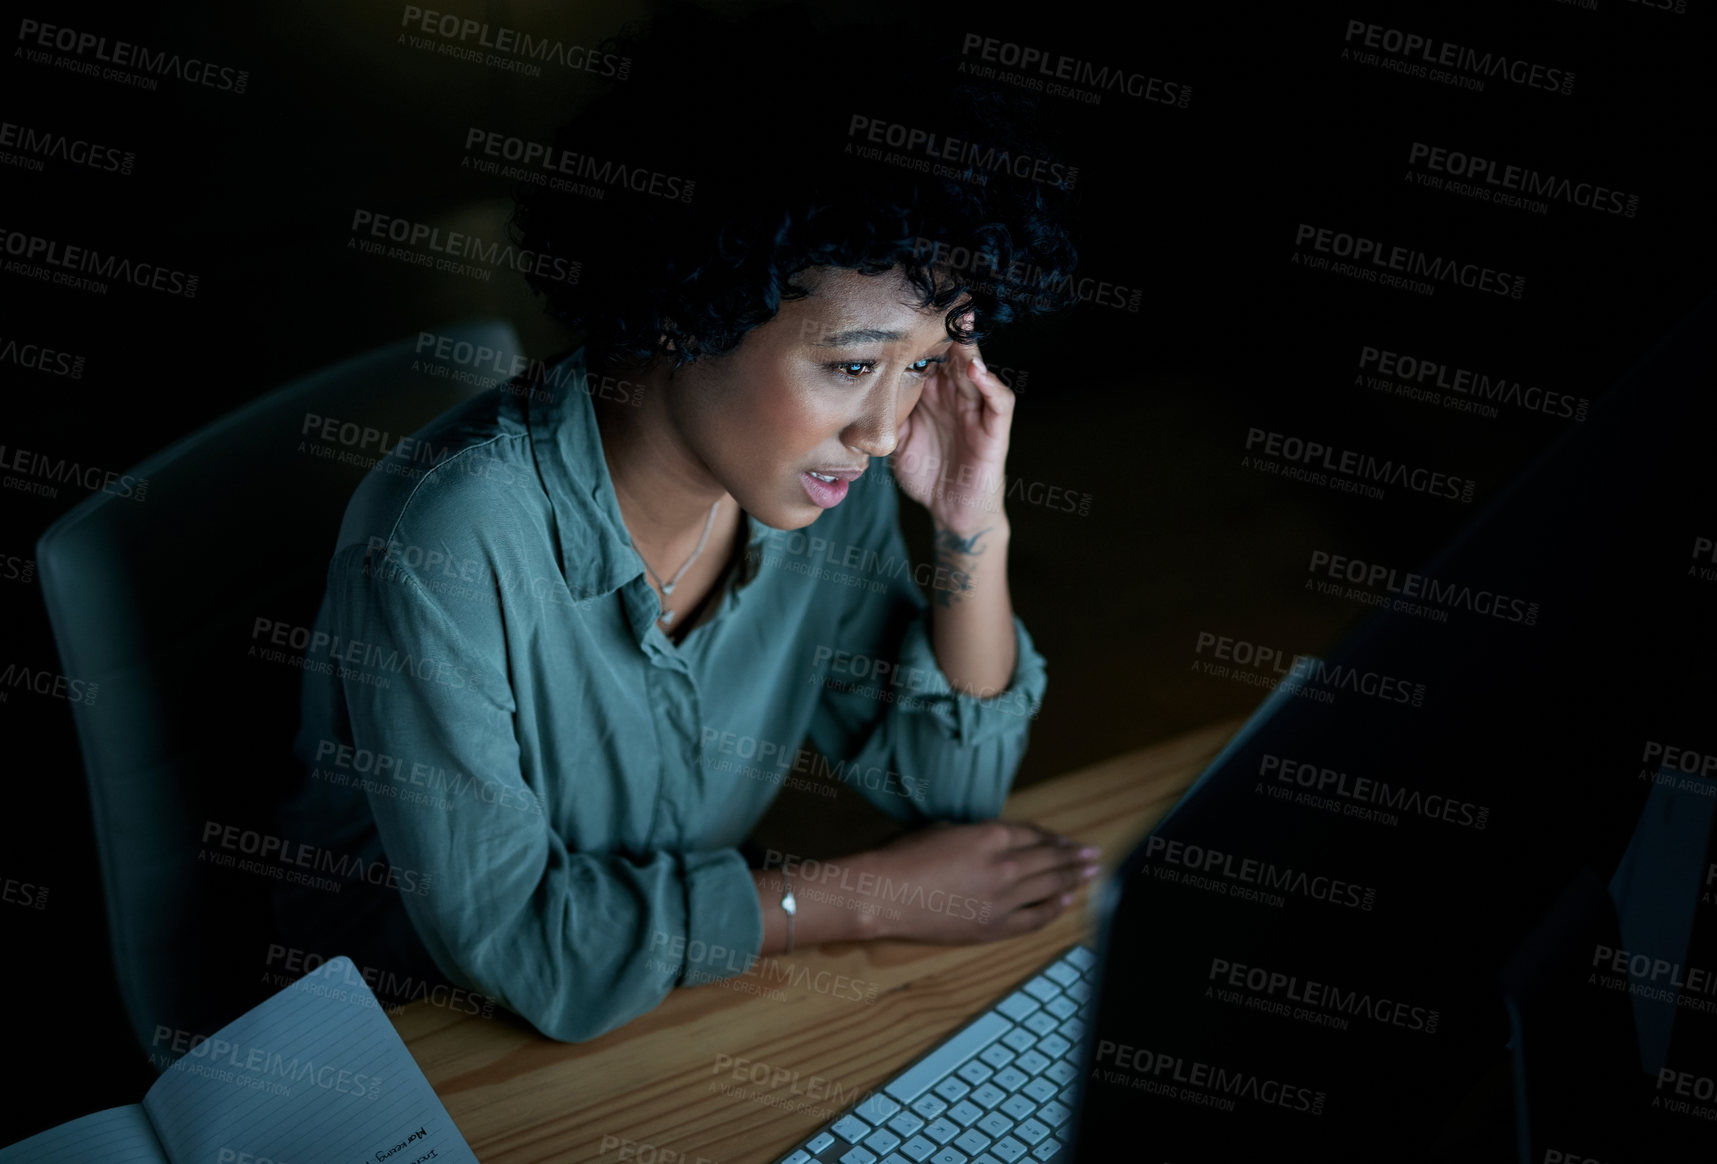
165	596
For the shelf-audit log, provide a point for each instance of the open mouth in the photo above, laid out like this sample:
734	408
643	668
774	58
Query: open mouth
826	490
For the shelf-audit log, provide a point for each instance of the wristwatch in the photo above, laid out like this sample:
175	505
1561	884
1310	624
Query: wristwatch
789	906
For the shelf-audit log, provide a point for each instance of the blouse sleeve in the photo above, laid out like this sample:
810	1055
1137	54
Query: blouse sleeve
887	715
577	943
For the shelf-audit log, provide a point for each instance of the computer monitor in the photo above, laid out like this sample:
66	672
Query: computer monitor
1374	913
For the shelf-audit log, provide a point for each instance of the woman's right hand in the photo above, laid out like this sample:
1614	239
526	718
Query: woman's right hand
959	884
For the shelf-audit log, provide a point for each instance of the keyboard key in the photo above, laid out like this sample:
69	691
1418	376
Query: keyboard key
876	1109
800	1157
987	1095
850	1128
1017	1005
1018	1106
986	1158
1032	1063
1051	1149
971	1039
1007	1149
895	1158
1032	1132
1009	1079
1021	1039
1052	1045
1073	1028
1042	1023
1061	1071
996	1055
905	1123
952	1089
1054	1113
949	1156
816	1146
858	1155
966	1113
918	1148
941	1130
1082	957
882	1141
1062	1008
1064	974
972	1141
930	1107
1040	1089
1078	992
975	1072
1041	988
995	1124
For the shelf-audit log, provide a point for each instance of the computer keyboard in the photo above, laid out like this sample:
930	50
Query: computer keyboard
999	1090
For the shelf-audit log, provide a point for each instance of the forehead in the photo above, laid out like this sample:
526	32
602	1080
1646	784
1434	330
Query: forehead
842	301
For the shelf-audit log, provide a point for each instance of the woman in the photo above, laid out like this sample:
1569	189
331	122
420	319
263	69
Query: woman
632	585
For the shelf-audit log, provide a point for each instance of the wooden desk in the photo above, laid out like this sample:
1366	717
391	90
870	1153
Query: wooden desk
655	1090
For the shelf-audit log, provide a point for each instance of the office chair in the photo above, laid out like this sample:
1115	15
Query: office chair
155	601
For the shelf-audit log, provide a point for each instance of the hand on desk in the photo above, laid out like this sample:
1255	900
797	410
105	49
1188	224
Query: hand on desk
947	884
959	884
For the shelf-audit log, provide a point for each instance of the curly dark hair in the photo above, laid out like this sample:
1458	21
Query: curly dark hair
736	154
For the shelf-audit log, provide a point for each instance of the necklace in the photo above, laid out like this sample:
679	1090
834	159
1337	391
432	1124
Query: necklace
667	616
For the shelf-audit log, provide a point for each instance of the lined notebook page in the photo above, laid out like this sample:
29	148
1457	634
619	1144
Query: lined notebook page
119	1135
316	1073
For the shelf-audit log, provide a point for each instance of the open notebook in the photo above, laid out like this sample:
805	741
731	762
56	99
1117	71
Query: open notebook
315	1073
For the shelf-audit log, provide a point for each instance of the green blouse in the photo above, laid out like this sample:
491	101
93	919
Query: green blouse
555	787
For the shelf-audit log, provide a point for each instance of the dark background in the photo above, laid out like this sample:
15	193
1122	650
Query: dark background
1146	411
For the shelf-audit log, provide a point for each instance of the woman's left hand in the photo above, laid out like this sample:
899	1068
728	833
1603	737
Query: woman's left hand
952	446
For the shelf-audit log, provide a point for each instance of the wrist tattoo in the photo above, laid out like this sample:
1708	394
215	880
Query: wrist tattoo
950	549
